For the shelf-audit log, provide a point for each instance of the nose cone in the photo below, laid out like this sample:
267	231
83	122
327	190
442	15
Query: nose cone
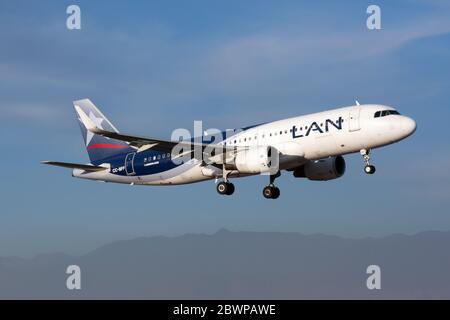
408	126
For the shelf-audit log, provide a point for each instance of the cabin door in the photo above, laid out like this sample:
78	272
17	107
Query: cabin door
353	119
129	164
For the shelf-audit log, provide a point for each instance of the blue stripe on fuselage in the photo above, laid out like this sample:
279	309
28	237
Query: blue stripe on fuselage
140	160
147	162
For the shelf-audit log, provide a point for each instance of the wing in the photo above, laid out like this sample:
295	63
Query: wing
209	152
85	167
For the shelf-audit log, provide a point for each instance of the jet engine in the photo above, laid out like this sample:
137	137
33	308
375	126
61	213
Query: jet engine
322	170
255	160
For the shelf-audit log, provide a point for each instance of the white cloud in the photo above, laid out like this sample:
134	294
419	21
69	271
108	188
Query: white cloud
33	112
266	54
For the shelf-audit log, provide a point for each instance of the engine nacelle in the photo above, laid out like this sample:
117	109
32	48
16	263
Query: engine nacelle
256	160
323	169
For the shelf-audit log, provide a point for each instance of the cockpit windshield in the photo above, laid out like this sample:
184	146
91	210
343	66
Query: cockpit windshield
384	113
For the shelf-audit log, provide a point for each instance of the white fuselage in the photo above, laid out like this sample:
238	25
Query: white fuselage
298	140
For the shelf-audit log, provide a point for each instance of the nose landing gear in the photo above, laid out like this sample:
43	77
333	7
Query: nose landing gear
368	168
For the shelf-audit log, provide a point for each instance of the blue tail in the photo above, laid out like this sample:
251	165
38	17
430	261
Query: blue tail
100	149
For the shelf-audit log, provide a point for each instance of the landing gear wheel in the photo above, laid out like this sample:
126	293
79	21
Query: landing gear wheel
369	169
271	192
268	192
230	189
276	193
225	188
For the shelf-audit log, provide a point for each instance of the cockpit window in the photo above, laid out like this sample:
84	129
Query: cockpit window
384	113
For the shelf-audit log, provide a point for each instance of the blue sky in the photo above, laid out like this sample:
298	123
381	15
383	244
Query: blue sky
156	66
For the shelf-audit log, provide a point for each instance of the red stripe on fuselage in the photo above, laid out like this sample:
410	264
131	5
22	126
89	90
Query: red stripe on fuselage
106	146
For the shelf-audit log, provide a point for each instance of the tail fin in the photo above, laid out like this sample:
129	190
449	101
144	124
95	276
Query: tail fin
99	148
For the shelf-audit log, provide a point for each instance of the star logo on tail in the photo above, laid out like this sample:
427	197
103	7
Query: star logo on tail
98	122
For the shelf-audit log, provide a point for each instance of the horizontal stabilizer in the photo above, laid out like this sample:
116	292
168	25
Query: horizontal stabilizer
84	167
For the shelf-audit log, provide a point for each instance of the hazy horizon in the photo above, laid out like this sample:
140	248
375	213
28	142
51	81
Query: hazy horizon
175	236
240	265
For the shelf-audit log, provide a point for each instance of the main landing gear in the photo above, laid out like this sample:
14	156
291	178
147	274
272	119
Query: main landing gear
368	168
270	191
225	187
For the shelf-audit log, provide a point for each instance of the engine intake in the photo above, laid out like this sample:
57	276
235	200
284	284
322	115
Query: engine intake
322	170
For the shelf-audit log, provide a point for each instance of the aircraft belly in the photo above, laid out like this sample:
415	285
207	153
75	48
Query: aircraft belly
350	142
184	174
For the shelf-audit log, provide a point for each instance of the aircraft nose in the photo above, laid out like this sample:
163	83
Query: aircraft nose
408	126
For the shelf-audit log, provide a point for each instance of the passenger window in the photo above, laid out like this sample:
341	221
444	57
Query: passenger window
159	156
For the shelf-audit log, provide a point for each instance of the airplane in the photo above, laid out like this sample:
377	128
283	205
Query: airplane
310	146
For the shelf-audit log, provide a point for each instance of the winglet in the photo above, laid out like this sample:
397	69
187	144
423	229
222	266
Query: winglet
357	102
